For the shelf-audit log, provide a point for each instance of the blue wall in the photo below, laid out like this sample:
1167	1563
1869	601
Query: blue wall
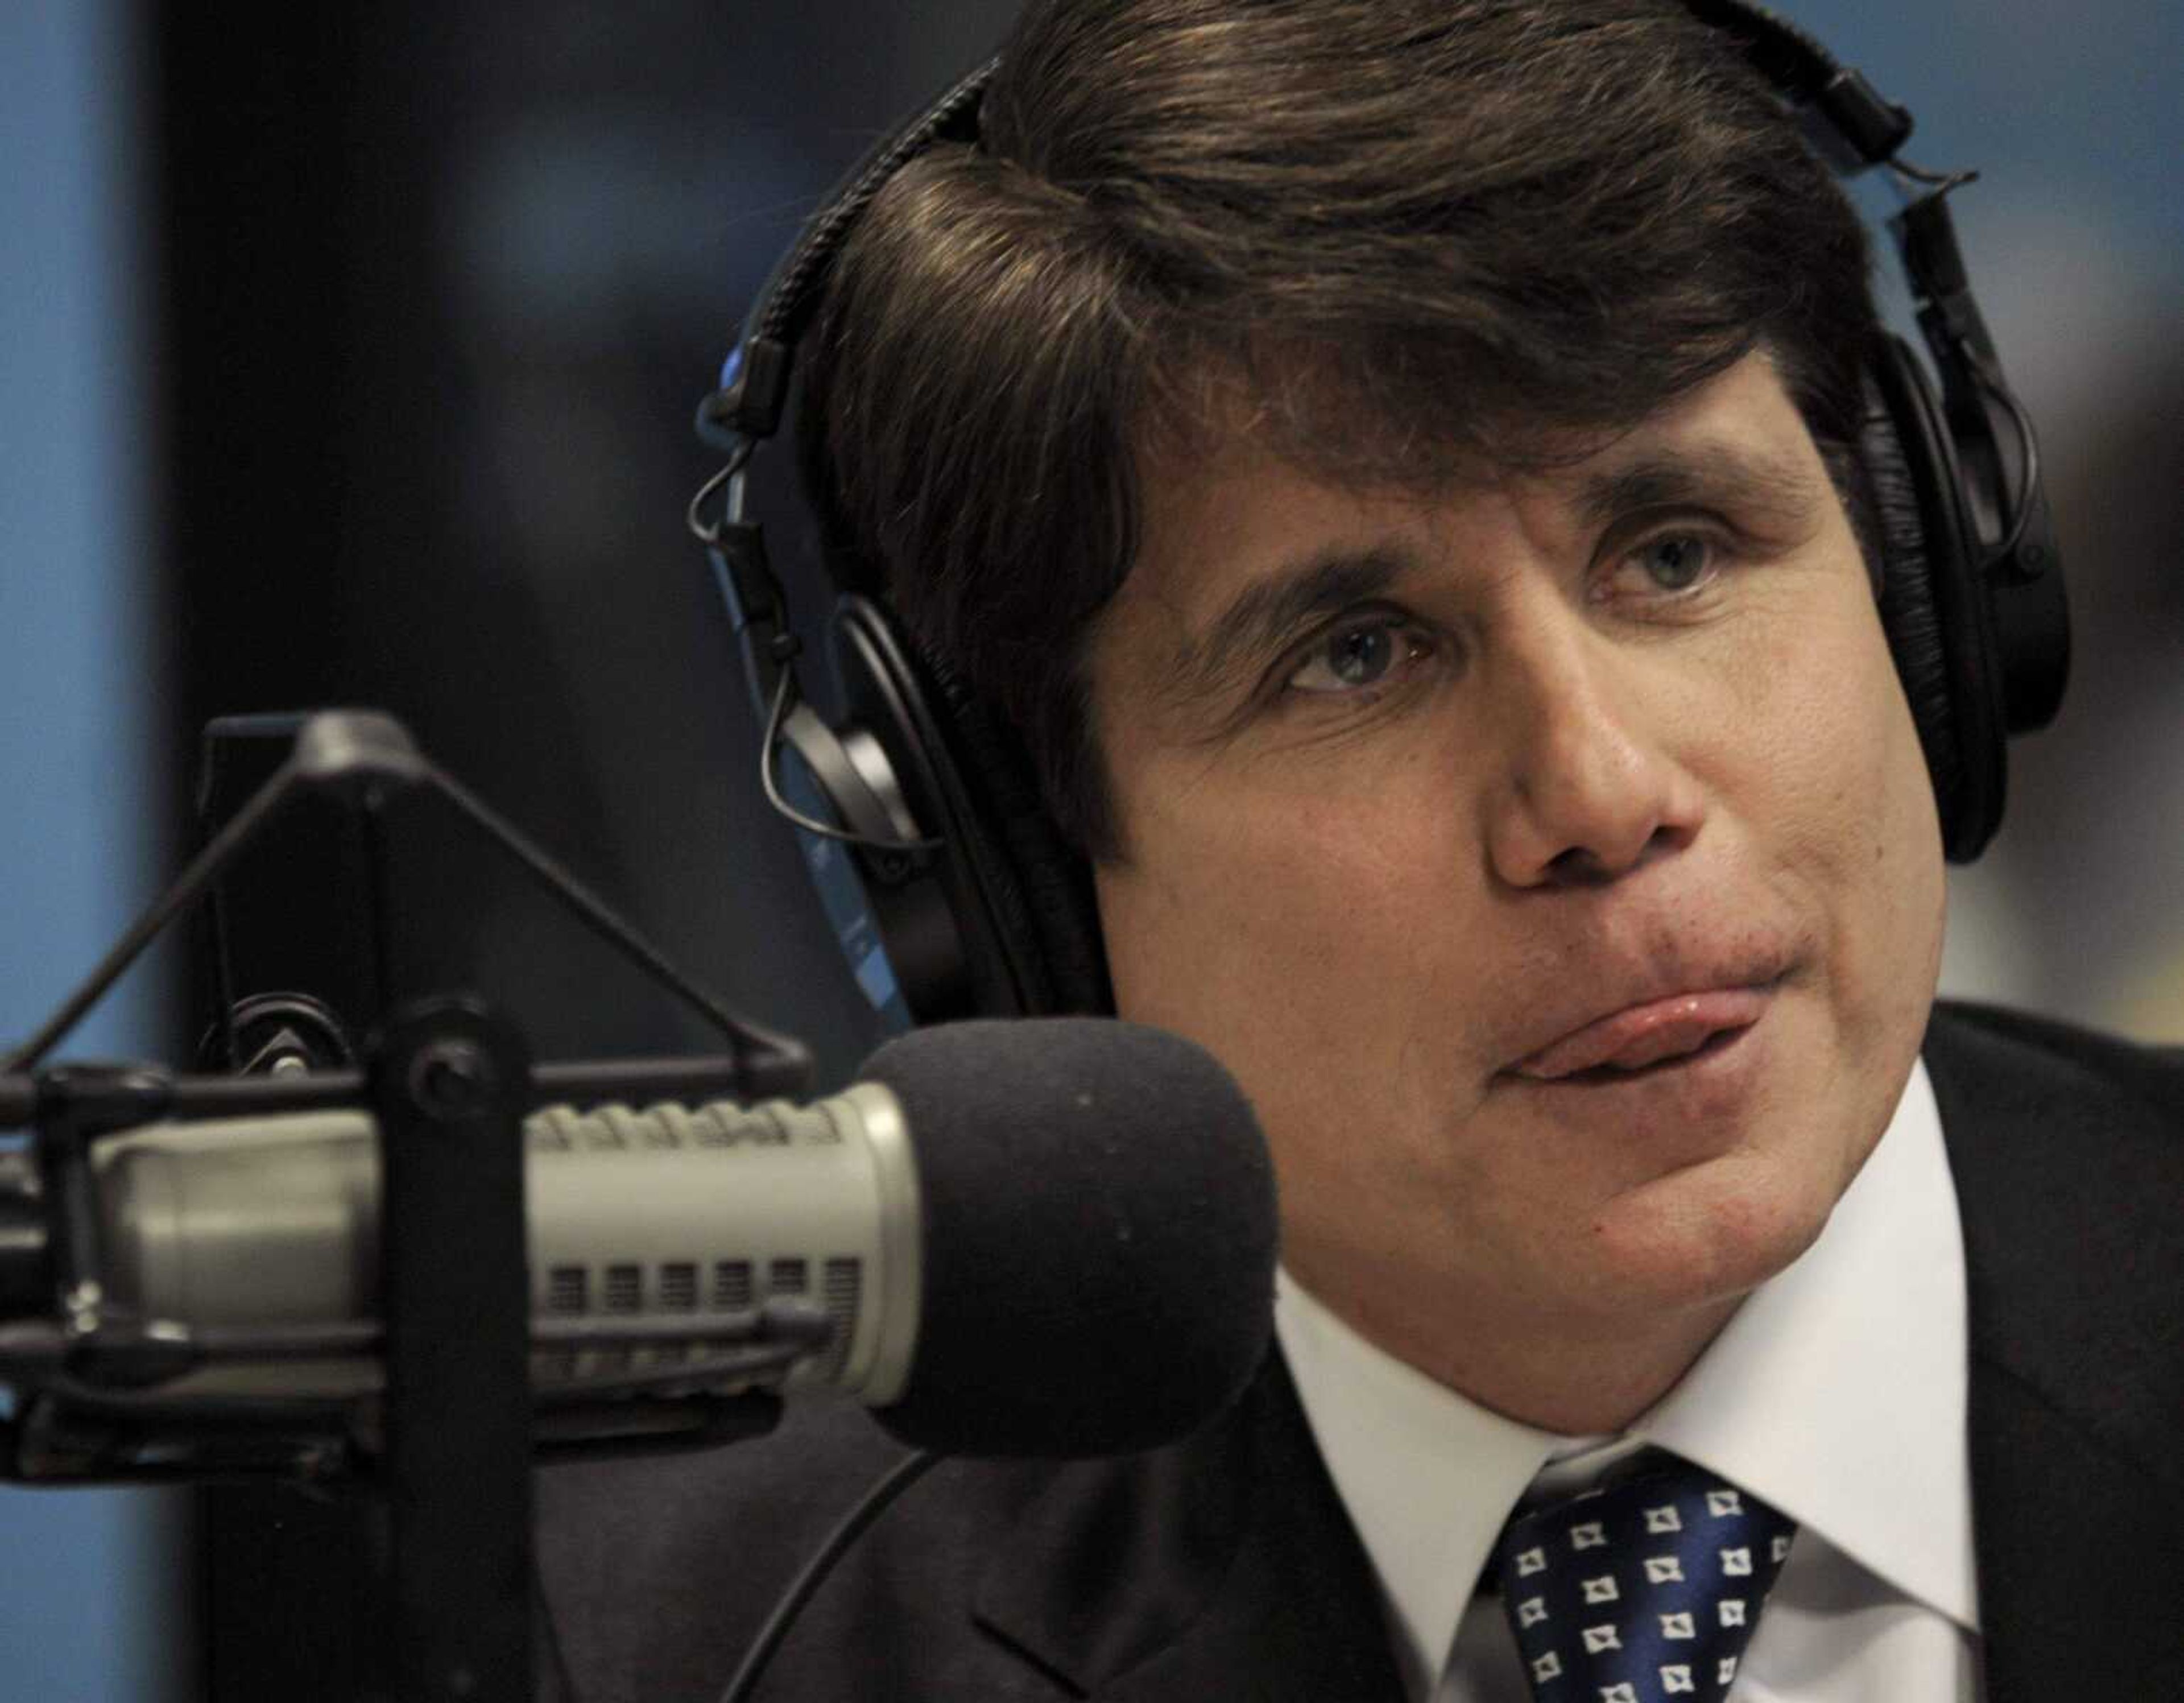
86	1576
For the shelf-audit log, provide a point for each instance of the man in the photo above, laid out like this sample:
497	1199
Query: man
1398	462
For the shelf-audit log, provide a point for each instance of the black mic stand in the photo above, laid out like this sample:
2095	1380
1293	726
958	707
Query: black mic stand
449	1084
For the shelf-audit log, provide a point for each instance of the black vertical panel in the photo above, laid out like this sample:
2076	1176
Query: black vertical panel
254	135
443	285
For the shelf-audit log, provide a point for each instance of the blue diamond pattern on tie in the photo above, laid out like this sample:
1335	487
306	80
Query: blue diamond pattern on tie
1646	1589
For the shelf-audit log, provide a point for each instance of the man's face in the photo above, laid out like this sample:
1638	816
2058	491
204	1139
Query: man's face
1552	861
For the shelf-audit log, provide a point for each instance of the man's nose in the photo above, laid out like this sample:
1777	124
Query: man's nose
1589	787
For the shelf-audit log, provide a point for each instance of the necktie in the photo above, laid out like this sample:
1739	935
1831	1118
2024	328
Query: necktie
1647	1589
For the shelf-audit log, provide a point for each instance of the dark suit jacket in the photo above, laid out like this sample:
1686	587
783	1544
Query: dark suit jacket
1225	1567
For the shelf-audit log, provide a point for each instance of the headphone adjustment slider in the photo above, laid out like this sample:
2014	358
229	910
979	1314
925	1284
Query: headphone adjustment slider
1927	237
746	576
1873	125
752	404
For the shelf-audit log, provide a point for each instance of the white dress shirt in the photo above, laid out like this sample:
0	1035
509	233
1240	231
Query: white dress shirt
1836	1392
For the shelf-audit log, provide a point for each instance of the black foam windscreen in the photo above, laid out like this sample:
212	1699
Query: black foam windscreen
1099	1236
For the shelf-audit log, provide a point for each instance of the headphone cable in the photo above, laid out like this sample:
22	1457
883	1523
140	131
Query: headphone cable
874	1502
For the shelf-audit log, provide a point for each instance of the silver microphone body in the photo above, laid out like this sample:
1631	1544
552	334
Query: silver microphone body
658	1215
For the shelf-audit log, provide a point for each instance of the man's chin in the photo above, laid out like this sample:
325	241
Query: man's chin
1702	1235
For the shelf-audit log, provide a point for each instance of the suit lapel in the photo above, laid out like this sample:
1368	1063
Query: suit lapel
1224	1567
2068	1153
2080	1563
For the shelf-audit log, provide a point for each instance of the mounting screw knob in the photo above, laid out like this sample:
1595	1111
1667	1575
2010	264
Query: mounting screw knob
452	1079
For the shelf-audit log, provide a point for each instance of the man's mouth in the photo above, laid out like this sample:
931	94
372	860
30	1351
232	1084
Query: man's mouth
1654	1032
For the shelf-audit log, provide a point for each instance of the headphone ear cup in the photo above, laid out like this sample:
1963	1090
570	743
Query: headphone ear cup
1051	883
1023	900
1933	601
1907	615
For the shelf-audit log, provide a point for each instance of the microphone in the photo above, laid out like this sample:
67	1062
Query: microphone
1033	1237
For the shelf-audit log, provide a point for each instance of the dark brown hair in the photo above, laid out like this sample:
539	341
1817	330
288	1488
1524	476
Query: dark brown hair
1422	236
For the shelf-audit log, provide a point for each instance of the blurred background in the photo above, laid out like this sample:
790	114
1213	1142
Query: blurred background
350	359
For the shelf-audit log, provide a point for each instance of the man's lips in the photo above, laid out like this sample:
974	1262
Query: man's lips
1646	1033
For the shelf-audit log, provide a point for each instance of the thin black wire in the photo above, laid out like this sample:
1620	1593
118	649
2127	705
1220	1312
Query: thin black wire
1989	379
874	1503
783	689
708	532
1943	181
741	1032
206	867
2028	439
542	1607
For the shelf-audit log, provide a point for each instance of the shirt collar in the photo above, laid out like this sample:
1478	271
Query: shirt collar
1836	1392
1428	1477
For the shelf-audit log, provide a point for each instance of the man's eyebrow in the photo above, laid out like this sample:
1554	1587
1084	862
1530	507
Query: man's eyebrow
1265	614
1739	476
1774	488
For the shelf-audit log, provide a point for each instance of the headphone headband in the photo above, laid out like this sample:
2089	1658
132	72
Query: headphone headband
755	383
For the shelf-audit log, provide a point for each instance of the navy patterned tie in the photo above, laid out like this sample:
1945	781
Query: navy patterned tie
1648	1588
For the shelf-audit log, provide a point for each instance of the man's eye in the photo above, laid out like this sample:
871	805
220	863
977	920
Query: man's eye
1357	658
1674	561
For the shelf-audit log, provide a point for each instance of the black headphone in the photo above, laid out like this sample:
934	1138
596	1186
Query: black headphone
953	895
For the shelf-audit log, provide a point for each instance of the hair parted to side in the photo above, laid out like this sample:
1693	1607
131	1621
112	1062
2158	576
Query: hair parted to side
1423	237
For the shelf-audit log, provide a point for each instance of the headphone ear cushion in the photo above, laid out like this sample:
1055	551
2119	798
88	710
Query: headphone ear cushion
1909	613
1048	886
1936	601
